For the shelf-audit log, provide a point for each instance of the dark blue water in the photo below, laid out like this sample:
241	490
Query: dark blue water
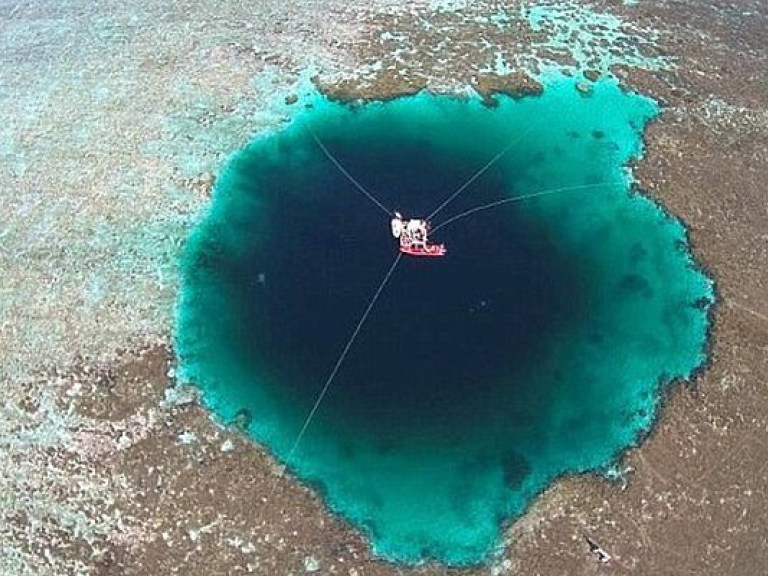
537	347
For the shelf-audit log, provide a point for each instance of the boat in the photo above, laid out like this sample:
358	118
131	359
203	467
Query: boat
413	235
429	250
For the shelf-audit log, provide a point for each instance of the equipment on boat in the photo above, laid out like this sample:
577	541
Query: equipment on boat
414	237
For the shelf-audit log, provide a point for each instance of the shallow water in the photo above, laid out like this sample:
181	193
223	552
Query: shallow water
537	347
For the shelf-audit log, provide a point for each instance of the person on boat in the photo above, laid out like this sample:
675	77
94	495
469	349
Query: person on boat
417	230
409	232
398	225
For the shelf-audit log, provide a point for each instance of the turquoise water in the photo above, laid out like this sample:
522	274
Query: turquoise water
536	348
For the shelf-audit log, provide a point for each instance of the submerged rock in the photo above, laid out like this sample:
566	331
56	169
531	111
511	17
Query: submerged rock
179	396
311	564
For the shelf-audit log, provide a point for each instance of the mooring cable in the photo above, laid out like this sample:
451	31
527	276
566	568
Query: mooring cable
336	367
479	173
520	198
349	176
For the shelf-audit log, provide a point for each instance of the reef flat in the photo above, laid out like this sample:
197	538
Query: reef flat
116	119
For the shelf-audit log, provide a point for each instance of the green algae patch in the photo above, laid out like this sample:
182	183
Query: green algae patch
537	347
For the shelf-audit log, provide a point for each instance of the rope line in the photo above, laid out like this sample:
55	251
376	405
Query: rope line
349	176
479	173
470	181
337	366
520	198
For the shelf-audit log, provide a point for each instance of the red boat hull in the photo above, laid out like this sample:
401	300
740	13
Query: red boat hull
430	251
